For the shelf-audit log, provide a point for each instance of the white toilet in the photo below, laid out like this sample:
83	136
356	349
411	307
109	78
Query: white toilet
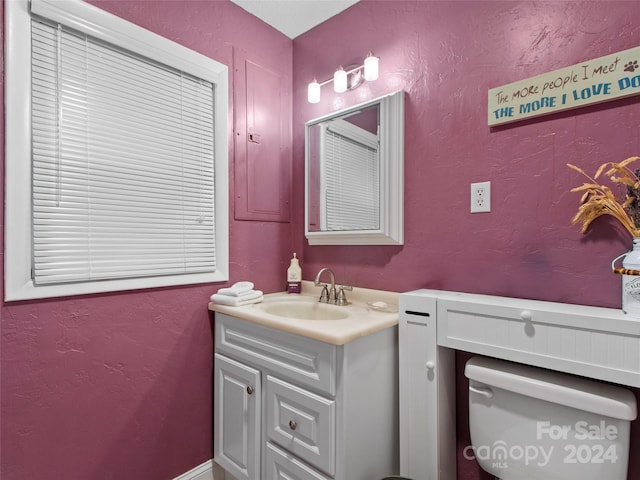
533	424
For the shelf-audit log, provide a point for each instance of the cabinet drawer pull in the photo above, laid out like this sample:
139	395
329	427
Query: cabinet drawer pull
293	425
249	389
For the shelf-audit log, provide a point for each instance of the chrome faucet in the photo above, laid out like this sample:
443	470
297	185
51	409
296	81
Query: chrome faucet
329	295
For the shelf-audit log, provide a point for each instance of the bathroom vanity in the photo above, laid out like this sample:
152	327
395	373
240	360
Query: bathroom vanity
307	399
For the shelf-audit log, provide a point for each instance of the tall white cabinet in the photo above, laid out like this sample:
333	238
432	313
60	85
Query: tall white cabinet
288	407
427	393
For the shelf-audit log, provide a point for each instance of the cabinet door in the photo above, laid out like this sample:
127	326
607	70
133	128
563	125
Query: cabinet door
427	387
236	418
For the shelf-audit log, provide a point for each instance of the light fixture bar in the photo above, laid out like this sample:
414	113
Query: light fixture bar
345	80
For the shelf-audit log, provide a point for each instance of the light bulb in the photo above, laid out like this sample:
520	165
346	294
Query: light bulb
313	92
340	81
371	68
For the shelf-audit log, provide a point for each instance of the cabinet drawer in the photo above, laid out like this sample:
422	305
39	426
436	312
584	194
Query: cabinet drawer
302	422
303	360
283	466
588	341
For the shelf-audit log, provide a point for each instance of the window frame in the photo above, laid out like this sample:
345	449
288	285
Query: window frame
18	166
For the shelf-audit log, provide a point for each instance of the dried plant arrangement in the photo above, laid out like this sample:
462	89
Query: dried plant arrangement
598	199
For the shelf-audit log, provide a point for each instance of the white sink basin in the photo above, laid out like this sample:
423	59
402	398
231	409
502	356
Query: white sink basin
368	311
303	310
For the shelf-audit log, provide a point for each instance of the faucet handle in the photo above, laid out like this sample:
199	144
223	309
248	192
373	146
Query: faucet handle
341	298
324	294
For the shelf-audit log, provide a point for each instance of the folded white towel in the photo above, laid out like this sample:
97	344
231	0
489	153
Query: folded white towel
254	296
237	289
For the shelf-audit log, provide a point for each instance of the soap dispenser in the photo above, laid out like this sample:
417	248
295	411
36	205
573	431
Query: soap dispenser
294	276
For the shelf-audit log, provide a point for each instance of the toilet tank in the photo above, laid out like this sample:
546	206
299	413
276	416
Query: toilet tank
535	424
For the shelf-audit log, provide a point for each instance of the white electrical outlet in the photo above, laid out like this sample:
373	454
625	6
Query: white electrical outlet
480	197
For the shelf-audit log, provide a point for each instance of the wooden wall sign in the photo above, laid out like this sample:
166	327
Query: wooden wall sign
600	80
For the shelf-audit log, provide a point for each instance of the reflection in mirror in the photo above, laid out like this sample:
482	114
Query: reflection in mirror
346	173
354	168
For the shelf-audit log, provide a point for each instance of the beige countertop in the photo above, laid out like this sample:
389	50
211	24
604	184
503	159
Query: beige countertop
369	311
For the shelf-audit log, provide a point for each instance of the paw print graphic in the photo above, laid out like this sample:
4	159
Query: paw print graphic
631	66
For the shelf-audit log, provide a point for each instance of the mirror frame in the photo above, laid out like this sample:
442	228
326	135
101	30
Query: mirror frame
391	154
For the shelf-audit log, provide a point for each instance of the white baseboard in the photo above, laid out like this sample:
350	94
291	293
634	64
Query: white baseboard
206	471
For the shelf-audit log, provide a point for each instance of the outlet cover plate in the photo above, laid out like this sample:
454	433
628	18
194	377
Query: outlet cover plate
480	197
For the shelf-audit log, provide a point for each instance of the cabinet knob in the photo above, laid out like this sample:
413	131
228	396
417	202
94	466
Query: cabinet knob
293	425
249	389
526	315
430	365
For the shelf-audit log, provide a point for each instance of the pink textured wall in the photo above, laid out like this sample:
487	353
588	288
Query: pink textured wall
447	55
118	386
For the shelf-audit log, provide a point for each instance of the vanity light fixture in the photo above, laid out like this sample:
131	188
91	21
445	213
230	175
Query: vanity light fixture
345	80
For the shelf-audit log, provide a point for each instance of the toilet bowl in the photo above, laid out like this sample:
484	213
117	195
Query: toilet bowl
535	424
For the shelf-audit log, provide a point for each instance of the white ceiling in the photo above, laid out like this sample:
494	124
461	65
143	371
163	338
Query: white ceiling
294	17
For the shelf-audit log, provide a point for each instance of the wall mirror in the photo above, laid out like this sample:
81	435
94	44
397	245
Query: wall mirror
354	169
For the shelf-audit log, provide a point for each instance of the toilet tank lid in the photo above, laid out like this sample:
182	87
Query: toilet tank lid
561	388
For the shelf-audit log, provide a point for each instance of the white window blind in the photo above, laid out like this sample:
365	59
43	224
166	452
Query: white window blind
123	163
351	178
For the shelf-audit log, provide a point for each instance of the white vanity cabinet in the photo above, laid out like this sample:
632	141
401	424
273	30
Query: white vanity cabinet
295	408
